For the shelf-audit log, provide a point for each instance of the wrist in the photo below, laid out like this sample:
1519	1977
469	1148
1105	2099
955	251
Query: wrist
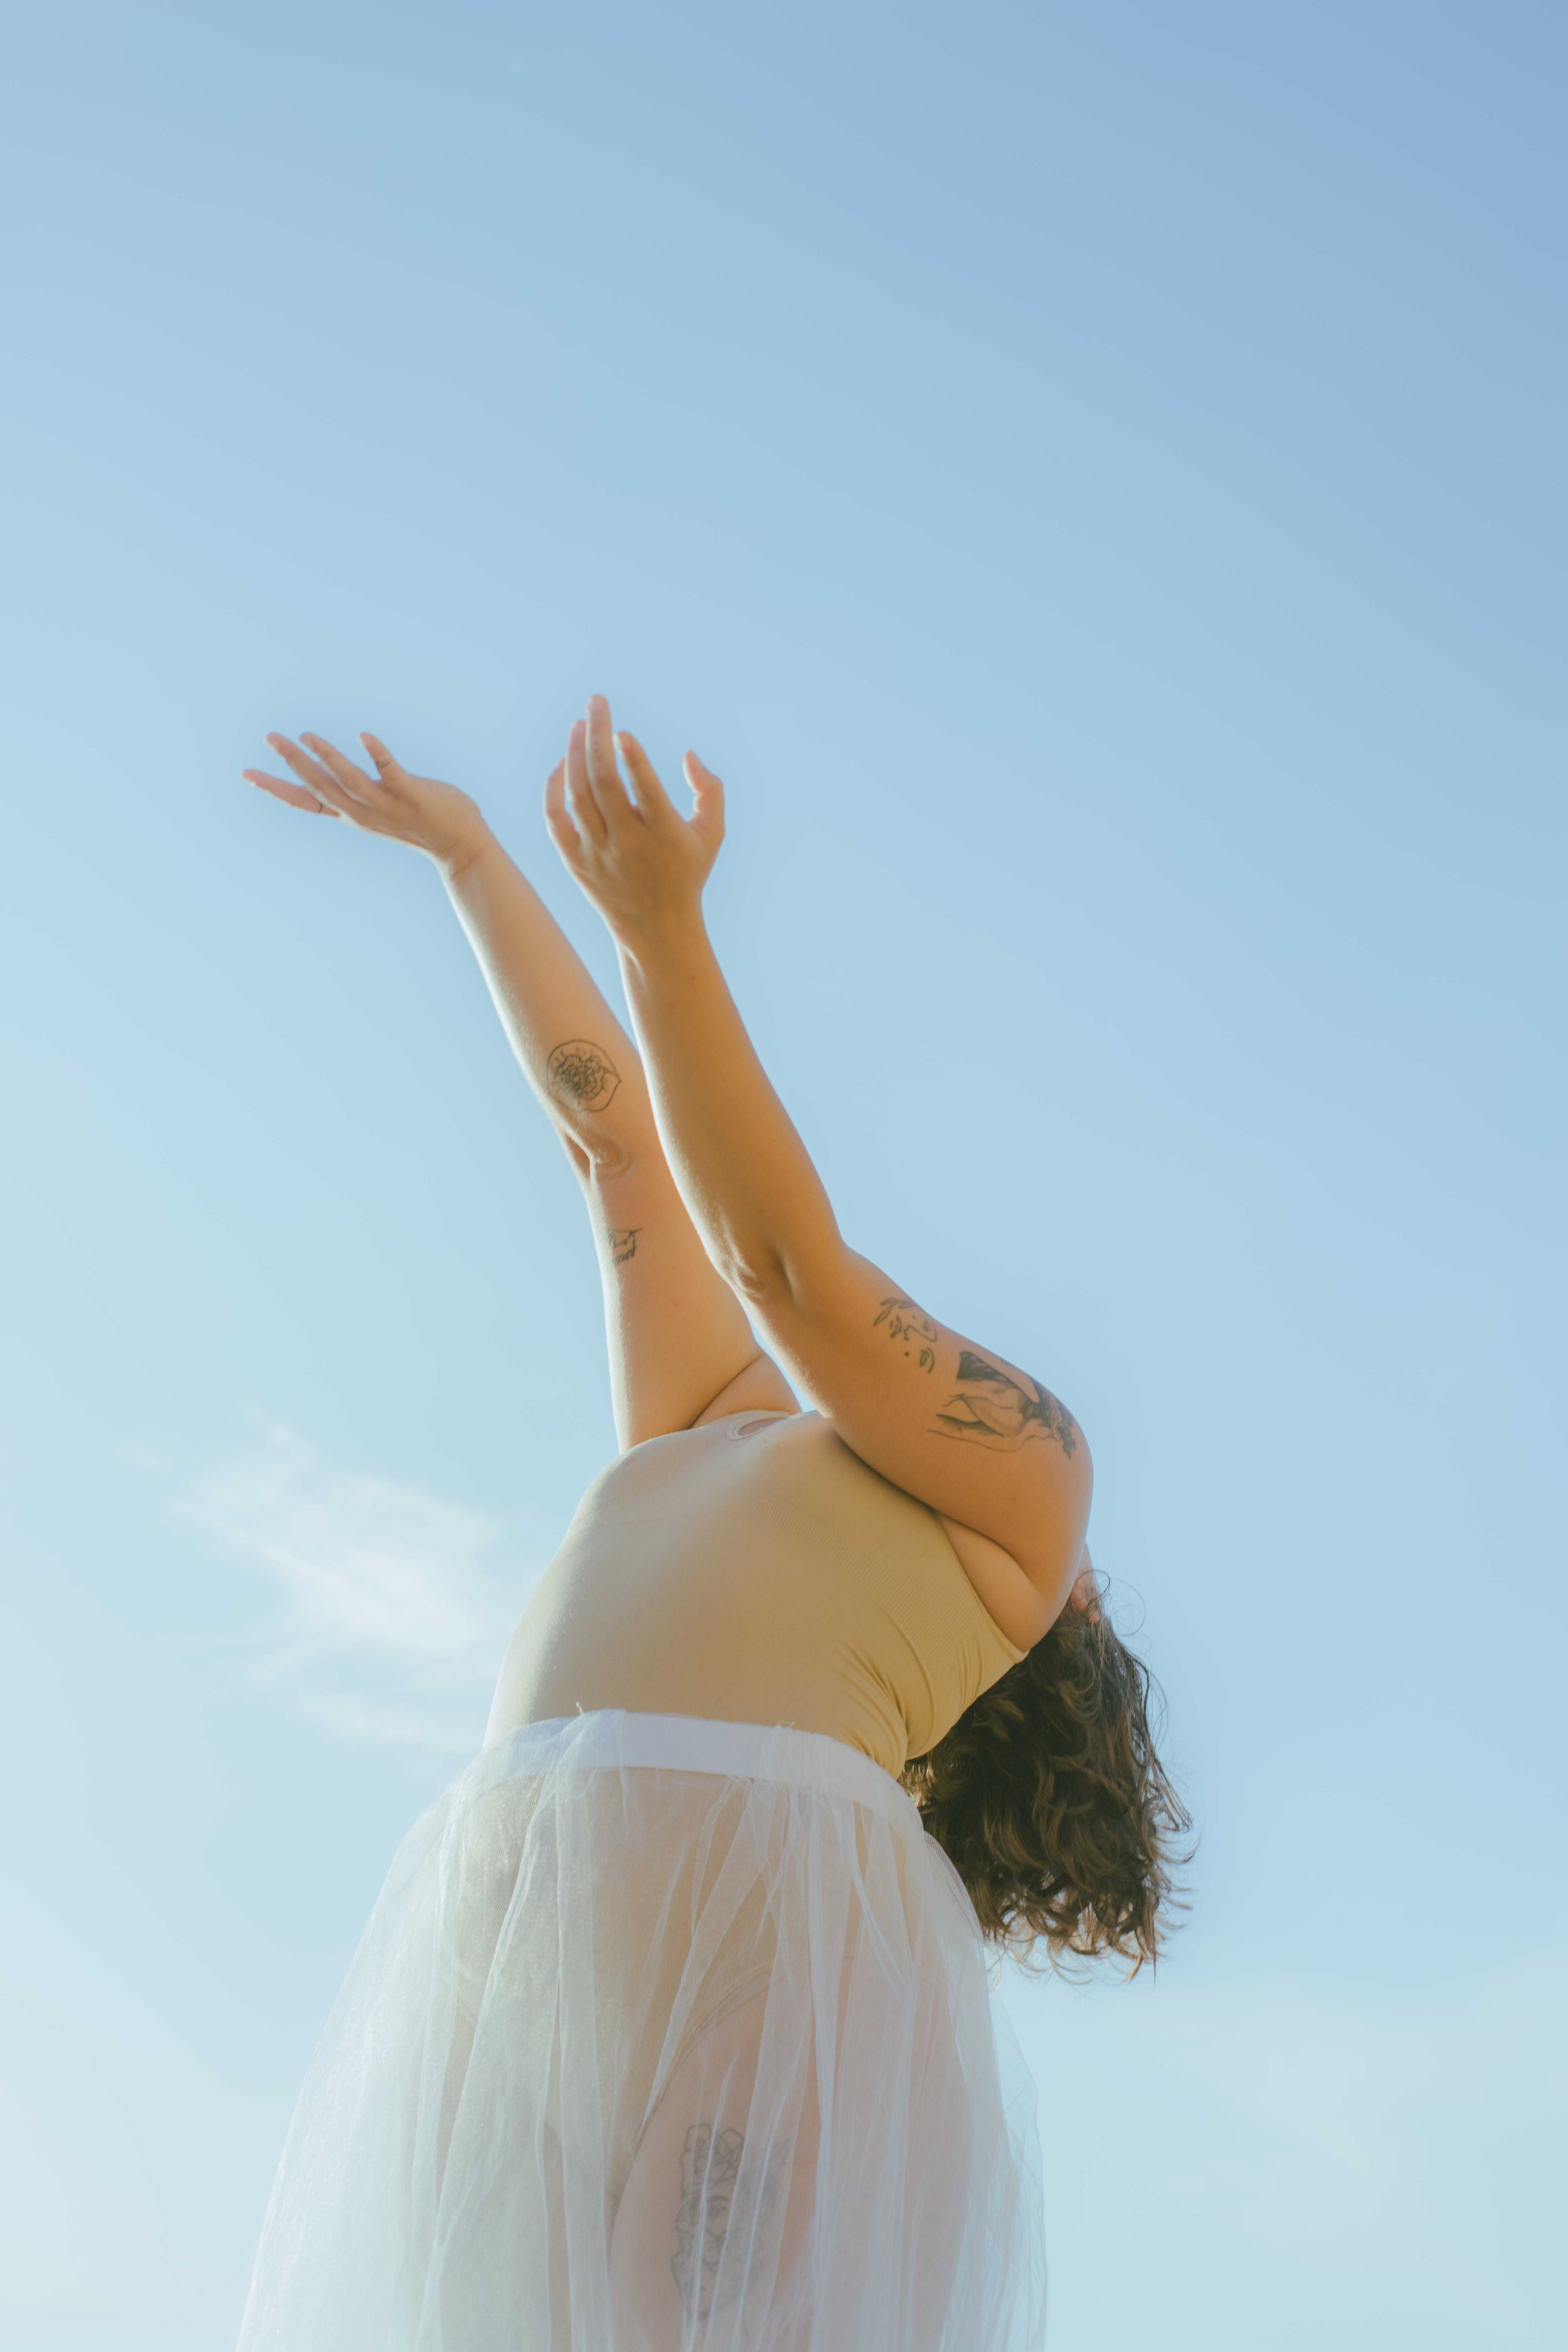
454	862
660	942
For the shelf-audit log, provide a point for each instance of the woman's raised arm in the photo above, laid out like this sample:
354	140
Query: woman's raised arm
978	1439
680	1345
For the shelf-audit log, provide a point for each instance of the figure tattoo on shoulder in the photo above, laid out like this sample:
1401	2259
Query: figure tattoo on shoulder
909	1329
582	1074
988	1404
994	1409
623	1241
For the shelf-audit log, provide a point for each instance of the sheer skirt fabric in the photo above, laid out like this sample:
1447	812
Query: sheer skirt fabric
664	2033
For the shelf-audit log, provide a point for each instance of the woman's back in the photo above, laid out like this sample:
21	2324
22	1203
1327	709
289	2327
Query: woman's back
757	1570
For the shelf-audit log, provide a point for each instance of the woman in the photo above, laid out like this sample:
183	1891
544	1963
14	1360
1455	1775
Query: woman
672	2025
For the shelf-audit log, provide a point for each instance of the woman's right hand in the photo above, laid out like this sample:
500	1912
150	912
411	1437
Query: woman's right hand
437	818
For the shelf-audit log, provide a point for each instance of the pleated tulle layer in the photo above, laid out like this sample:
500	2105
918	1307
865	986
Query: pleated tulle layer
663	2033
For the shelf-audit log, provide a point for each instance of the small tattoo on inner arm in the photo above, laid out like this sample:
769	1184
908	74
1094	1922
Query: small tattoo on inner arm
623	1241
909	1327
992	1408
582	1074
715	2185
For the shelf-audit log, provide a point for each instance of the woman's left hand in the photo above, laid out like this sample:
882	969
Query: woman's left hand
629	849
429	815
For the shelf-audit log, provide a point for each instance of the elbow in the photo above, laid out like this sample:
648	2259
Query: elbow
599	1160
1079	1495
1076	1474
774	1281
770	1249
758	1277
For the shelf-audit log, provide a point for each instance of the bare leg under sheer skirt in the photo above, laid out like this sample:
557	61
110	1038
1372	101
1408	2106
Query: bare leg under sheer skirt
665	2035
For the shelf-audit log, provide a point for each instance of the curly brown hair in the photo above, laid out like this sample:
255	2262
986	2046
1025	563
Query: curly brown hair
1048	1799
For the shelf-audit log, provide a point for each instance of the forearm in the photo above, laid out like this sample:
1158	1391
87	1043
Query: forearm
745	1176
573	1051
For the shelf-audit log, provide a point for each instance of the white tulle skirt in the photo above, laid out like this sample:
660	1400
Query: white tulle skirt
663	2033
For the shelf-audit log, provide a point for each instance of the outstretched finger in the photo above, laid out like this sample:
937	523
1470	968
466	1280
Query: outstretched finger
353	780
651	797
313	774
297	795
604	776
388	769
586	813
557	822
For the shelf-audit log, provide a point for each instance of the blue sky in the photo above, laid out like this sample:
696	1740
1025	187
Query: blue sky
1086	478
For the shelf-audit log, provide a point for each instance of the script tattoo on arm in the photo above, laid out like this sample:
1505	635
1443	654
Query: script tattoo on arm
907	1325
623	1241
992	1408
582	1074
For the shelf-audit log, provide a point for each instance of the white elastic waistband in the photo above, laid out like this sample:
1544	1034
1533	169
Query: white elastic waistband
614	1737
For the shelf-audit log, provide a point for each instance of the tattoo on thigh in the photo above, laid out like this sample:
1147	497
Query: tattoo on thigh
906	1325
623	1241
582	1074
716	2186
991	1407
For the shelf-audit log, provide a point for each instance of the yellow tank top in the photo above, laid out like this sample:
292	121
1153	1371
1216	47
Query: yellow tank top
757	1570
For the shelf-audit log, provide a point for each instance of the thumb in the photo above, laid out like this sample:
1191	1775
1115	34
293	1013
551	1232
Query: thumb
708	797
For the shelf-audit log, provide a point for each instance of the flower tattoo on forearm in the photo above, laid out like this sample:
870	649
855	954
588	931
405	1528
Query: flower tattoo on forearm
582	1073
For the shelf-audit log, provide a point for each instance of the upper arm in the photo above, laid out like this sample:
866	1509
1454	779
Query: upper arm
679	1339
942	1416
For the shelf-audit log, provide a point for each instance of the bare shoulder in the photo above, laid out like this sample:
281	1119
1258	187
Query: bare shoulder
986	1446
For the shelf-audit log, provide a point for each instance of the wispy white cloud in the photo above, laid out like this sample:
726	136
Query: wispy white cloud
391	1614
